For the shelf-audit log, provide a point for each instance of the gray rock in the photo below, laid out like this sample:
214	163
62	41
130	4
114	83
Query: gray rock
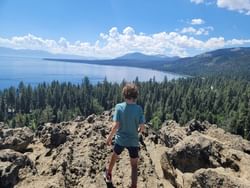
233	141
197	155
168	170
171	133
10	164
79	119
91	118
53	135
208	178
17	139
195	125
197	151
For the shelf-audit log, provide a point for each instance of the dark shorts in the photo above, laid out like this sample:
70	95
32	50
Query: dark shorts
133	151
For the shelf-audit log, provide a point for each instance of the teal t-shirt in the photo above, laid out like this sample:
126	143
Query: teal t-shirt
130	116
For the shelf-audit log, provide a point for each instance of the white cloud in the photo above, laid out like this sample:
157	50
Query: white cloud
197	21
237	42
197	1
113	32
129	31
242	6
199	31
115	43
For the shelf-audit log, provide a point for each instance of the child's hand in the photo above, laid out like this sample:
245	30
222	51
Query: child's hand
141	129
109	141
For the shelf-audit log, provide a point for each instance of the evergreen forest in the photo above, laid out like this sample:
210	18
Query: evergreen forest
223	100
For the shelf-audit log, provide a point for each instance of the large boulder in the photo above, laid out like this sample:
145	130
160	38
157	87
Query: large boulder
209	178
198	151
91	118
232	141
52	135
171	133
10	164
195	125
169	171
193	153
17	139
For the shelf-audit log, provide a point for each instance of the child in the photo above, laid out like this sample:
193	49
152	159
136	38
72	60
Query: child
128	121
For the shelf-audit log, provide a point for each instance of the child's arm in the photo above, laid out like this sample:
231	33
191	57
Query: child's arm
141	121
141	128
112	133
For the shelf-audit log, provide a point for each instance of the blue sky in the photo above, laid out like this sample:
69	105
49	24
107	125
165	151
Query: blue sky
109	28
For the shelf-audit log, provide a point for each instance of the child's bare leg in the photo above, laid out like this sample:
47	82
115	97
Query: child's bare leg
112	162
134	162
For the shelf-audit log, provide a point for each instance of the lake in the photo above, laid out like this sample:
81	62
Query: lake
32	71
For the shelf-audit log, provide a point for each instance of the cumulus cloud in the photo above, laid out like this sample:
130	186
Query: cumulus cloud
237	42
199	31
115	43
242	6
197	1
197	21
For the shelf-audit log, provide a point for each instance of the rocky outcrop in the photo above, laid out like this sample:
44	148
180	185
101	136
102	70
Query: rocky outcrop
192	154
205	157
10	164
53	135
171	133
169	170
79	155
210	178
91	118
12	143
74	154
195	125
17	139
232	141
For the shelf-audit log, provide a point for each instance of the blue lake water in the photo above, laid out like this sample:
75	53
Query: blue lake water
35	70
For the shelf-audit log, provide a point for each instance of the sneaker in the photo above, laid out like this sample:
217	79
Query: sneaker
107	177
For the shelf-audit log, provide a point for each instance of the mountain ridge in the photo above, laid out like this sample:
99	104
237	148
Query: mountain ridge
227	60
145	57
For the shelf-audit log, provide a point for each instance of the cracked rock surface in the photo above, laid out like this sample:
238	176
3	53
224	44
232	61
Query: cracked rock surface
74	154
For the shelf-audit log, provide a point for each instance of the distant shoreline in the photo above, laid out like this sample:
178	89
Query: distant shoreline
121	63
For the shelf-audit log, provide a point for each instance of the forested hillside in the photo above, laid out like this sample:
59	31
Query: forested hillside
221	100
226	61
